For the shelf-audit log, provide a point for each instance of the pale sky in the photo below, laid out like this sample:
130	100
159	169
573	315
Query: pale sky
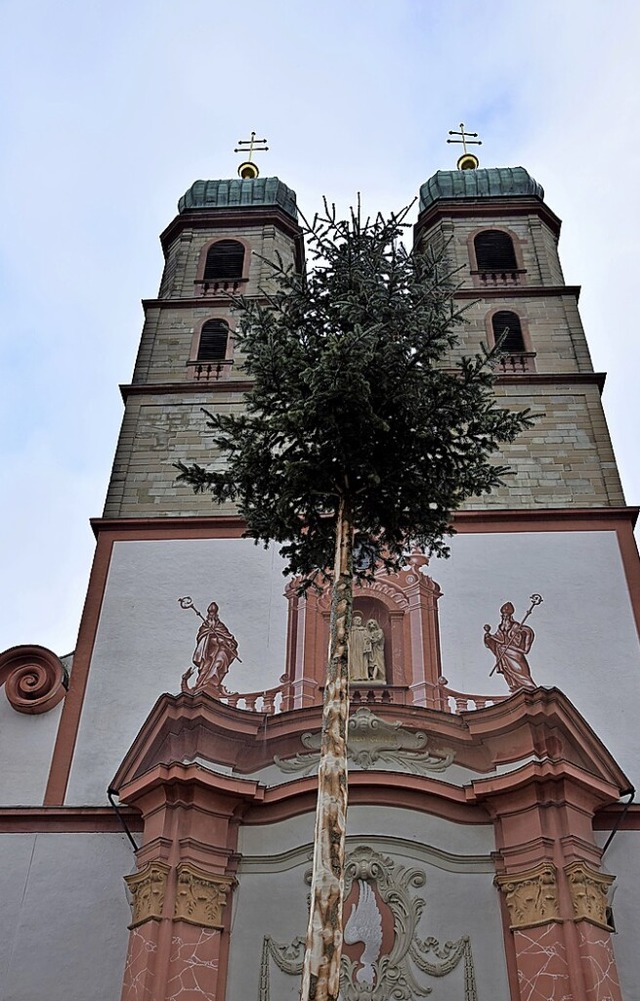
109	110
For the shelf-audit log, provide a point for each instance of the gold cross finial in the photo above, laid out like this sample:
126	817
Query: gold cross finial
248	169
467	161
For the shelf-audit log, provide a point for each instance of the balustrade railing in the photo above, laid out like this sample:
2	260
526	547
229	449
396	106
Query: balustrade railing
273	701
462	702
219	286
498	279
515	363
209	371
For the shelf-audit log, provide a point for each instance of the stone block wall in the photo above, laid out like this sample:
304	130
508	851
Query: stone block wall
564	460
535	244
184	254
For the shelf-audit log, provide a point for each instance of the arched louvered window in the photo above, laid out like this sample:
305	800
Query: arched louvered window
213	341
225	260
506	320
495	251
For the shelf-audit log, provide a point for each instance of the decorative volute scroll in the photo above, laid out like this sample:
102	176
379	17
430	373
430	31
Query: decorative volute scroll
589	891
201	896
34	679
148	888
531	896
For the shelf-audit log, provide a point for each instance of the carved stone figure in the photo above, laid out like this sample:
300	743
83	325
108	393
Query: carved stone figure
510	643
377	669
366	650
359	649
216	649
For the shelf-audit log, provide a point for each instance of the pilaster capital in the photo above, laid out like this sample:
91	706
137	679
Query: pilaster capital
589	891
201	896
531	896
148	887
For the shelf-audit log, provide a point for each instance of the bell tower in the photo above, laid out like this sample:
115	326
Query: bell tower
502	242
490	746
219	245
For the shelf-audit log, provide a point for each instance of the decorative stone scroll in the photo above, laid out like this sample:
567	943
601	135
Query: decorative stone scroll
388	959
371	741
531	896
201	896
589	891
35	679
148	888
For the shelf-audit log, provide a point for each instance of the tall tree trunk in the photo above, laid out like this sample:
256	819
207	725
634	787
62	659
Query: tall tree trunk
321	971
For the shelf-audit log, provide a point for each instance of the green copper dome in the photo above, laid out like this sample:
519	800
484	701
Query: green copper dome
236	193
493	182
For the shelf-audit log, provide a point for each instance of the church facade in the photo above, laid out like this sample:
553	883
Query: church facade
158	789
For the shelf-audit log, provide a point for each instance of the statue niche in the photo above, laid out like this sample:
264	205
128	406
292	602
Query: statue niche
401	666
369	643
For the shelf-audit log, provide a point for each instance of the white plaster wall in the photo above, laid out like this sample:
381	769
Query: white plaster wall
26	746
586	640
271	898
145	640
64	916
623	861
421	828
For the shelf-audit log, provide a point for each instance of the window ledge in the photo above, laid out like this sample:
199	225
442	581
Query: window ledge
219	286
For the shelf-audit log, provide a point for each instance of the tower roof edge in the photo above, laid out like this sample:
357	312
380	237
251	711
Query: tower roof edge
239	193
490	182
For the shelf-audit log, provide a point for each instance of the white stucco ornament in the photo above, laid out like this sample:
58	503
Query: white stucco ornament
374	741
383	955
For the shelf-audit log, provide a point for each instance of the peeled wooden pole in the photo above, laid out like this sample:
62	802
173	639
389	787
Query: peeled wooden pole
321	970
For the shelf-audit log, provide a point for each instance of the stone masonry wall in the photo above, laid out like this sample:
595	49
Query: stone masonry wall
565	460
180	272
532	238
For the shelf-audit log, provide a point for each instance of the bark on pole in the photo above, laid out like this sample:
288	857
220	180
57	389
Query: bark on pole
321	971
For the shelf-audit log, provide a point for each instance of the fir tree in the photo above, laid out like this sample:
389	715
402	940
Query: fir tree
359	437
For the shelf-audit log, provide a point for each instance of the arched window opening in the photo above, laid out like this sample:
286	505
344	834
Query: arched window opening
495	252
213	341
513	342
225	261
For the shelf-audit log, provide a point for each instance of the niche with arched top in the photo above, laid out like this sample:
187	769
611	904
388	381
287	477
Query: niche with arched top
372	608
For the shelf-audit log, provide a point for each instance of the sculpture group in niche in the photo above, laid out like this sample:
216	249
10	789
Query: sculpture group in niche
216	649
510	644
366	651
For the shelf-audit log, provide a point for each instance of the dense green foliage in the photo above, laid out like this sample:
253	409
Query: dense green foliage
353	396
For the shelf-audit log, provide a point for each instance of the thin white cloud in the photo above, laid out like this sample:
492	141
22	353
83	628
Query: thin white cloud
111	110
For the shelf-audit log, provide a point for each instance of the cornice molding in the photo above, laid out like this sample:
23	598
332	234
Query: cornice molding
192	388
233	218
221	386
478	208
481	292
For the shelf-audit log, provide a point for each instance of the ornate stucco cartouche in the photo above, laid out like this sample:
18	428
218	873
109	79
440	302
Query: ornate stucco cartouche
372	741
